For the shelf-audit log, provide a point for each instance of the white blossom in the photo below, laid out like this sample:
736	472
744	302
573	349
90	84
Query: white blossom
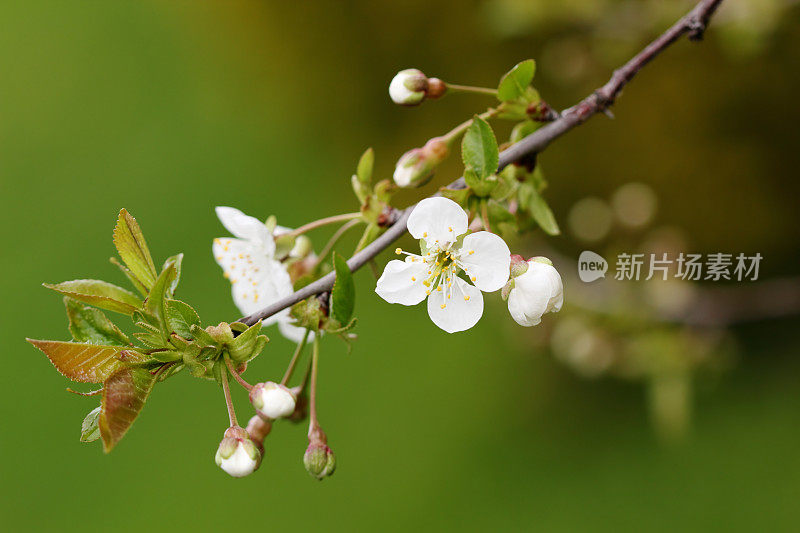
248	261
537	291
453	304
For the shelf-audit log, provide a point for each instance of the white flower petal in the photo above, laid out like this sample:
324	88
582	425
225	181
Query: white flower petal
246	227
239	464
402	282
489	261
438	221
536	292
256	280
461	311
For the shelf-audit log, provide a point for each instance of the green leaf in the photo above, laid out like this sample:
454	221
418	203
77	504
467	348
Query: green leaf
124	395
516	81
181	317
154	305
99	294
365	166
86	363
498	213
459	196
244	345
90	432
542	213
90	325
176	261
343	294
128	274
479	148
479	187
132	248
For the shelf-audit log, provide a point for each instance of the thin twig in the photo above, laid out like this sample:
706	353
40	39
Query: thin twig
692	24
293	363
332	242
321	222
236	375
226	390
313	423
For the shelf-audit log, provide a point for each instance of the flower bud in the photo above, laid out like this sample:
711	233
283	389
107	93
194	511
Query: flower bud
535	291
272	400
319	460
408	87
415	168
258	429
237	454
436	88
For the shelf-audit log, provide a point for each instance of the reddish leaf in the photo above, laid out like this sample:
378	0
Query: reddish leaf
124	395
87	363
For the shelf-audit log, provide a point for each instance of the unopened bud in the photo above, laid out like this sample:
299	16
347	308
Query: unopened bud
237	454
272	400
302	247
408	87
518	265
436	88
258	429
415	168
538	290
319	460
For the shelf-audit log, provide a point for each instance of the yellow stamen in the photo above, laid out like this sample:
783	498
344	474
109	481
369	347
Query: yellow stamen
439	288
444	305
425	234
471	252
413	278
473	278
398	251
466	298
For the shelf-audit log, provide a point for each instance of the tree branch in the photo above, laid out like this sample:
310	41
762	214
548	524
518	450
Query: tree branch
693	24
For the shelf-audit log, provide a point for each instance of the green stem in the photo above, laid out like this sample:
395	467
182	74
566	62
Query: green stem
235	374
322	222
313	424
456	132
470	89
293	363
332	242
485	215
226	390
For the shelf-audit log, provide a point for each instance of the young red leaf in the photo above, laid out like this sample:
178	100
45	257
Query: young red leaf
86	363
124	395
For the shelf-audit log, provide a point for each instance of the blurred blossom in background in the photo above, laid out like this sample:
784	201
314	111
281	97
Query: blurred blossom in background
643	405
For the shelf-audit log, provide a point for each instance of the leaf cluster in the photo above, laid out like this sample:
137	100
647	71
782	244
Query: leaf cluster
168	336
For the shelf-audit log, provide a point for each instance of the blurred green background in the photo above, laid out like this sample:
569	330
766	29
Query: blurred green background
171	108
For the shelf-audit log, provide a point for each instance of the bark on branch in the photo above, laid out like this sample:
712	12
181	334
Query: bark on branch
692	24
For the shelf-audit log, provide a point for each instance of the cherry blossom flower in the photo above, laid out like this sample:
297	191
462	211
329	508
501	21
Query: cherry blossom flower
453	303
248	261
